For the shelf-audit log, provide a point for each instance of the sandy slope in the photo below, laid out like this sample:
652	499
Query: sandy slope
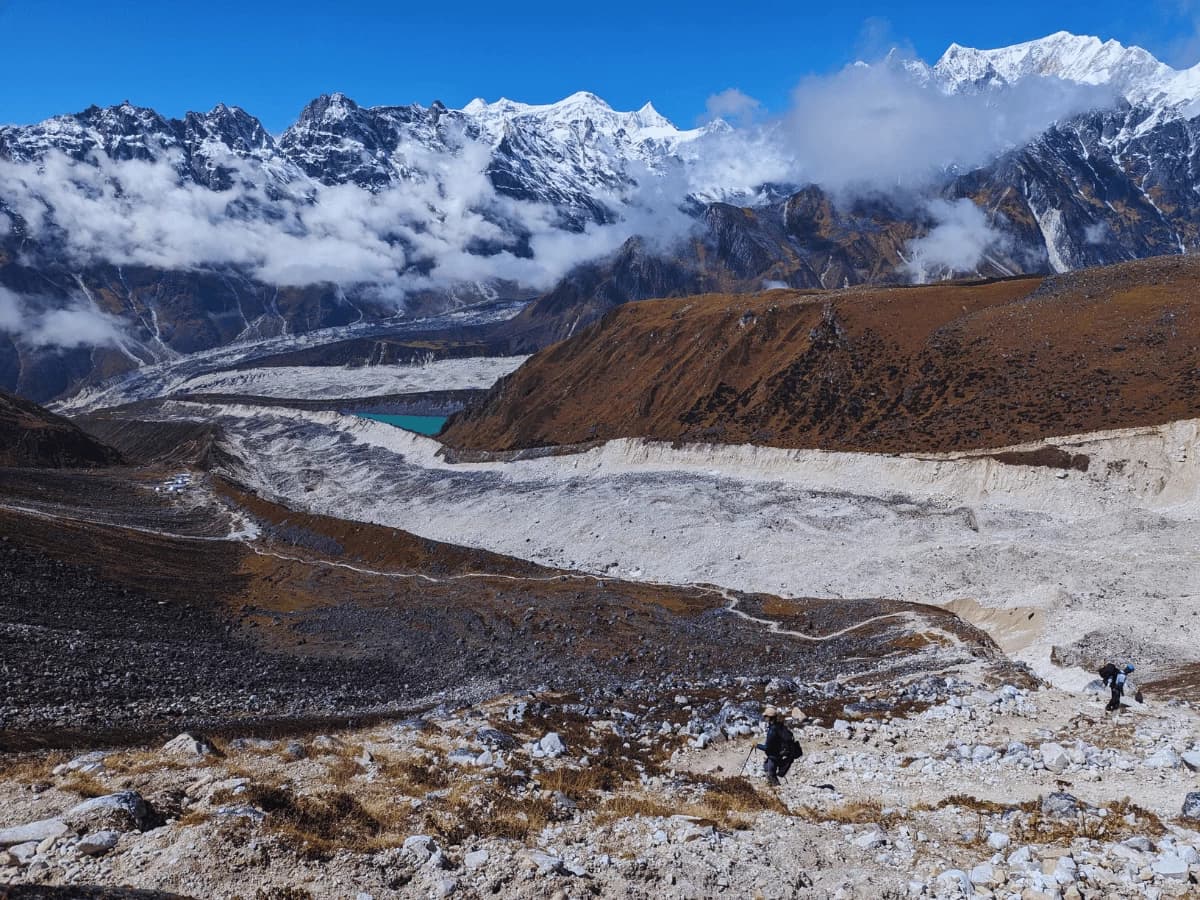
1107	559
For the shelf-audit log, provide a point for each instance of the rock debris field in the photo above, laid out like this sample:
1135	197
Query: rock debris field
944	786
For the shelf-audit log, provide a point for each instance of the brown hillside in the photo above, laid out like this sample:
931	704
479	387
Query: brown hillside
932	368
33	436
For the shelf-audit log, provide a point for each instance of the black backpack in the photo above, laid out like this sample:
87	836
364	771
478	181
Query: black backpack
1108	674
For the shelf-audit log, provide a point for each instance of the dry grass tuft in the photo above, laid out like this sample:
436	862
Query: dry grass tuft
84	784
852	812
282	893
319	825
1113	827
412	777
488	810
631	806
738	794
974	804
30	767
142	762
724	803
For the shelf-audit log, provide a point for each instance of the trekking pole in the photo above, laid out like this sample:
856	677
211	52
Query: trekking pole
753	750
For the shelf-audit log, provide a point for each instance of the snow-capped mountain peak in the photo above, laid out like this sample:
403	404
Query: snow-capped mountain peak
1131	72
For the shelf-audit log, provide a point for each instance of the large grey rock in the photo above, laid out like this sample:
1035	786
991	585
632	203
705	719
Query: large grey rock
24	853
1054	757
1191	806
495	740
422	847
550	746
123	811
956	878
475	859
34	831
546	863
1169	865
188	746
983	875
1060	804
88	763
1164	758
870	839
1191	759
98	842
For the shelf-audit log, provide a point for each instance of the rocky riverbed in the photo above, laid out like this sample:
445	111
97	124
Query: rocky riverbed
953	785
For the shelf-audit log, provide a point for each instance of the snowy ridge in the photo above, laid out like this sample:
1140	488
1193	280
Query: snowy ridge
1133	73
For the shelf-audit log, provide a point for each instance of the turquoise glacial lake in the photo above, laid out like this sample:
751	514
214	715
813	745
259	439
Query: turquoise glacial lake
419	424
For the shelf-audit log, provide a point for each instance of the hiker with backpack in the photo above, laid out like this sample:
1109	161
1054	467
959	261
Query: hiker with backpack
1115	680
781	747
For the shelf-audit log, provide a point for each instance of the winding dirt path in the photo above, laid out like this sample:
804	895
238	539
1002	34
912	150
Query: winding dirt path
731	600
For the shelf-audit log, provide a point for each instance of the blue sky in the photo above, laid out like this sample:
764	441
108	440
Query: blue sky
272	57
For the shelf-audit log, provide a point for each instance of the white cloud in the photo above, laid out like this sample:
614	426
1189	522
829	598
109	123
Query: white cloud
883	127
42	322
733	106
959	241
1096	233
12	316
413	235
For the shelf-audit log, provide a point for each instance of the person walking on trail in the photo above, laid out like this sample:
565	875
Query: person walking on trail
781	747
1115	680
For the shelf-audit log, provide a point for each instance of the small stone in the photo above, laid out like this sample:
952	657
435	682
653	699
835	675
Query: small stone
998	840
546	863
98	842
445	887
240	812
870	840
1191	759
1191	806
295	751
475	859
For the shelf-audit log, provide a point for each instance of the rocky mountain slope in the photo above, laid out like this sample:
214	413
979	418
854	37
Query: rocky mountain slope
938	368
354	212
31	436
948	786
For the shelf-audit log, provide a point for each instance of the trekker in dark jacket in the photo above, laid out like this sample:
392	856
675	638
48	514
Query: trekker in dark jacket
781	747
1116	682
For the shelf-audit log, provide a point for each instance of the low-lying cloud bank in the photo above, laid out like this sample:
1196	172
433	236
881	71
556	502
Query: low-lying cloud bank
37	322
411	236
